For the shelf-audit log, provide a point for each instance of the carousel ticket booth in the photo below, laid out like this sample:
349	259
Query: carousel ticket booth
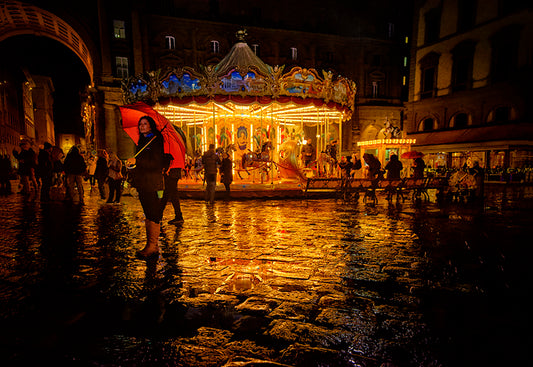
382	149
260	115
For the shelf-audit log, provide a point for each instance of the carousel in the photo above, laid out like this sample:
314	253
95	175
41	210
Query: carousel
274	125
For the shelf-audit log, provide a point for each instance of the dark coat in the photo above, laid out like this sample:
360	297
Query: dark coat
210	160
226	175
74	163
45	165
150	164
346	166
27	161
394	168
420	165
102	170
374	166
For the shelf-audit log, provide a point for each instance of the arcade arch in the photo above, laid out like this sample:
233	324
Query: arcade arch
17	18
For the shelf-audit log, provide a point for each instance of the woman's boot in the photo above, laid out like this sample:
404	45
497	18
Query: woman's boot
152	235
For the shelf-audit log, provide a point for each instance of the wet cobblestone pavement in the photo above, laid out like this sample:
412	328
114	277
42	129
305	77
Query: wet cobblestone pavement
267	283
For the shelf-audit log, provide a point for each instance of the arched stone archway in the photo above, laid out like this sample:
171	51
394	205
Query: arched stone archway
17	18
370	132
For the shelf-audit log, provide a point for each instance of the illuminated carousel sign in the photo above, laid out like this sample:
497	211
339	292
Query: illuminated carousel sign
244	104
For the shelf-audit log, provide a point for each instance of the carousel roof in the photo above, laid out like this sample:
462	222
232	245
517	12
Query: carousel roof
242	84
241	59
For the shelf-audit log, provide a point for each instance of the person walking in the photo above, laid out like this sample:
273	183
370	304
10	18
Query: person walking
45	170
114	179
479	175
92	168
357	165
346	166
418	168
374	166
210	161
27	162
394	168
58	171
75	168
101	172
171	178
308	153
226	172
149	162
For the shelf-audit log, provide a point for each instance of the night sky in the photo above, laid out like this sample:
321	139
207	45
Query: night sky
44	56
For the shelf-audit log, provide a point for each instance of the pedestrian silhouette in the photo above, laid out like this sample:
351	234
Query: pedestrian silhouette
171	178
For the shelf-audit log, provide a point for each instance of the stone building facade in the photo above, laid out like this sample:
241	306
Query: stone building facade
123	38
471	70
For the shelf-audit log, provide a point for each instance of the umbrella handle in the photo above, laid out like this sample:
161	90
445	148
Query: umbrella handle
151	140
136	154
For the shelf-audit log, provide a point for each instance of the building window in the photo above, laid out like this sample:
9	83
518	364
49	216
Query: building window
122	67
294	53
170	42
466	14
428	124
375	89
501	114
504	61
432	25
215	47
119	29
460	121
255	48
428	69
463	55
428	82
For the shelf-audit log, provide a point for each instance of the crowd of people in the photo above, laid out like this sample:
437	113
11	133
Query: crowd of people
372	168
49	174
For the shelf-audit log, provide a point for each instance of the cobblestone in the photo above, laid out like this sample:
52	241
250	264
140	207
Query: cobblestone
264	283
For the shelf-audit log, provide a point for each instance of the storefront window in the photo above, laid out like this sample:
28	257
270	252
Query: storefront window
521	158
497	160
389	152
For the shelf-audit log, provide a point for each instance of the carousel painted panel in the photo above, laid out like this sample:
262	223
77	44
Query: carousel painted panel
180	83
302	83
251	83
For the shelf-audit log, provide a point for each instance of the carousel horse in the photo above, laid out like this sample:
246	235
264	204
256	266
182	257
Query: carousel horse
258	160
288	160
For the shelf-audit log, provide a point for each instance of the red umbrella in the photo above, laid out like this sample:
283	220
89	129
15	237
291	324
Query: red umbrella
174	138
413	154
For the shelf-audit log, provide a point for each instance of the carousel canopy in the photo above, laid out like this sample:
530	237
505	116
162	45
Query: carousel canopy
243	85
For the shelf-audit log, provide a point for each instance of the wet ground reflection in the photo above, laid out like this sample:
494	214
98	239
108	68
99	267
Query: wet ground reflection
303	283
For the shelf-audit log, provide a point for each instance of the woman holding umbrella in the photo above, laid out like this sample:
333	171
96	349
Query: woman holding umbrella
150	161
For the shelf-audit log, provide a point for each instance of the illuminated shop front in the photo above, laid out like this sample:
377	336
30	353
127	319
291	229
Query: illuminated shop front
246	107
382	149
